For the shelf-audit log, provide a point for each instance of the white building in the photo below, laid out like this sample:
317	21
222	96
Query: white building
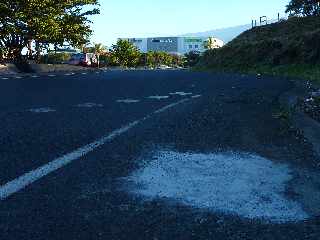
176	45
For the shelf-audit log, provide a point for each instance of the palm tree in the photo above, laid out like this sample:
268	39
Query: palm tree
99	49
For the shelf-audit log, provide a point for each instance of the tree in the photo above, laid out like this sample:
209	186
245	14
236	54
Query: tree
210	44
192	58
125	54
98	49
304	8
45	22
154	59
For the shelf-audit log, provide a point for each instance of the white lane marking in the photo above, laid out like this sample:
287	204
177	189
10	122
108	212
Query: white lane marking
4	78
158	97
34	76
181	93
128	101
18	77
25	180
161	110
69	74
51	75
196	96
84	73
41	110
89	105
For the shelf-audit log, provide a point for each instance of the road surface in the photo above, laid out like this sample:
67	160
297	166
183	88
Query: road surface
72	144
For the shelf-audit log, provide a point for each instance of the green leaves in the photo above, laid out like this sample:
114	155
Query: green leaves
304	8
45	21
155	59
125	54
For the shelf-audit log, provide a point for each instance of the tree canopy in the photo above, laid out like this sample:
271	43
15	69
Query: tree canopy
304	7
45	21
125	54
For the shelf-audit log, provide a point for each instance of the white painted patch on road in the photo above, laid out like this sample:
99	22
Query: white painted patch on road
84	73
232	183
52	75
197	96
27	179
181	93
90	105
69	74
4	78
128	101
34	76
41	110
158	97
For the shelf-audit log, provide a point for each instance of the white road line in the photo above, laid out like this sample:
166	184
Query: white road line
51	75
69	74
170	106
27	179
18	77
158	97
34	76
4	78
128	101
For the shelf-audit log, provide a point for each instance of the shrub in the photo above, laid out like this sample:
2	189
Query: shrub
55	58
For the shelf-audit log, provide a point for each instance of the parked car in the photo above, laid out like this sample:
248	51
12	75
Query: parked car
84	59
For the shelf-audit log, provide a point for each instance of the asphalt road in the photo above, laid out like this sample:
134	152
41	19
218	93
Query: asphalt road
46	118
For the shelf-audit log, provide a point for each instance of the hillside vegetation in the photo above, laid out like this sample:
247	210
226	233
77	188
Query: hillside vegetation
290	48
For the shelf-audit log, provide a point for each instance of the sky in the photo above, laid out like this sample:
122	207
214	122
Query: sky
151	18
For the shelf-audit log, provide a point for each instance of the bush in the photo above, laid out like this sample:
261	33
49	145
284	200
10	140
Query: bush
193	58
155	59
55	58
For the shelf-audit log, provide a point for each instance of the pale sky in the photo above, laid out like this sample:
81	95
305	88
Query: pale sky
148	18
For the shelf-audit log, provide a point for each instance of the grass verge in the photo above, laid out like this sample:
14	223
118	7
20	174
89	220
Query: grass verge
297	71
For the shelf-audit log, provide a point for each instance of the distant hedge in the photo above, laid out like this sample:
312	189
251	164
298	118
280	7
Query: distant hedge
55	58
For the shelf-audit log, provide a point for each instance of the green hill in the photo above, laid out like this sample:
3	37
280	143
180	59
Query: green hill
289	48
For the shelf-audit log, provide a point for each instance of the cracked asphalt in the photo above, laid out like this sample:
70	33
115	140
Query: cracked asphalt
42	119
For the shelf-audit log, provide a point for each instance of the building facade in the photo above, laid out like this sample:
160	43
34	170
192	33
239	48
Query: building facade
175	45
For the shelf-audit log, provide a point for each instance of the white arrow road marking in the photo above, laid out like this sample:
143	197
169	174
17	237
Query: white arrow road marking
27	179
41	110
69	74
128	101
181	93
89	105
158	97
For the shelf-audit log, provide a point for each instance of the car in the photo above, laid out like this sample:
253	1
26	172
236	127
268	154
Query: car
84	59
